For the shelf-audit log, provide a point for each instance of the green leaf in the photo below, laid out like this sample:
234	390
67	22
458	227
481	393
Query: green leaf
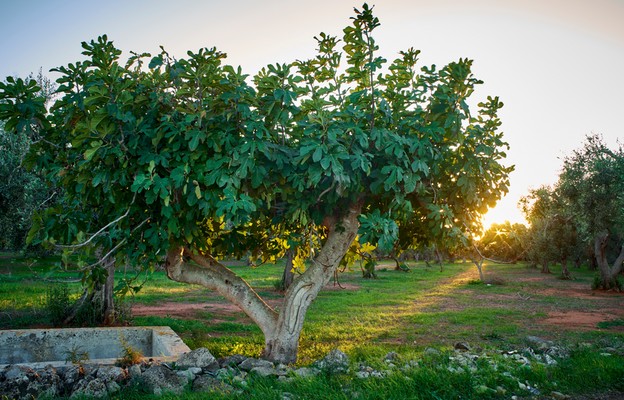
156	62
318	154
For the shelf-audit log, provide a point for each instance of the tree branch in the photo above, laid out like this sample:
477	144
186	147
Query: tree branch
86	242
211	274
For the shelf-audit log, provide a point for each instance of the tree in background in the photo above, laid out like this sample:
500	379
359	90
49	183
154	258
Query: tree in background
592	186
505	242
184	161
22	191
552	236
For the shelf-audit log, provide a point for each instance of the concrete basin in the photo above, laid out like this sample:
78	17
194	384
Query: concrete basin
102	346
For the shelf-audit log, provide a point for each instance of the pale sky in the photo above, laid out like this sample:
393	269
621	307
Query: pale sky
558	65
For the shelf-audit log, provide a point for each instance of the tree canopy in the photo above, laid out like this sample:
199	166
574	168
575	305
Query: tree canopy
189	159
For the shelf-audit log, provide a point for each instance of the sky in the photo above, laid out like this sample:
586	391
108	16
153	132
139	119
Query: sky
558	65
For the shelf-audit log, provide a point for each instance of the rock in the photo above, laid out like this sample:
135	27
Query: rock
305	372
252	363
391	357
89	388
549	360
377	374
71	376
539	343
134	371
559	396
13	372
225	373
264	371
112	387
159	379
232	361
430	351
187	373
288	396
108	374
200	358
362	374
462	346
336	361
206	383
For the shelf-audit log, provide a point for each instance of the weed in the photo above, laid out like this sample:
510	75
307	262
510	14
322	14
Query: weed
57	303
129	355
611	324
76	355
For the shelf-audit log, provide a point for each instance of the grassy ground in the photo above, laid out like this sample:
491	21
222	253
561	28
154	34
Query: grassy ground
402	312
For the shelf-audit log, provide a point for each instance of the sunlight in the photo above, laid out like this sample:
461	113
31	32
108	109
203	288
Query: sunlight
501	213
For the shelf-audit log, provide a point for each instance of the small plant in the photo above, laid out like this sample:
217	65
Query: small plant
611	324
57	303
129	355
615	284
76	355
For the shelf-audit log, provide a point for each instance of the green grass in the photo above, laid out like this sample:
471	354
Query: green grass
402	312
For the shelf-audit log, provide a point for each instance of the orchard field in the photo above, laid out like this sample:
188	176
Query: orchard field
428	310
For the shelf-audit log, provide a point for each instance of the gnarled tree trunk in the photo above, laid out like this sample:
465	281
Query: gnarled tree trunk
281	330
98	301
288	276
565	272
608	273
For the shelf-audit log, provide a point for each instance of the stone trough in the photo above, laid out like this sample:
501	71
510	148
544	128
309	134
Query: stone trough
102	346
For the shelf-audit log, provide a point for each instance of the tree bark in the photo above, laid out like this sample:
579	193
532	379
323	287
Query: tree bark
608	273
281	331
545	267
288	276
565	272
281	345
100	300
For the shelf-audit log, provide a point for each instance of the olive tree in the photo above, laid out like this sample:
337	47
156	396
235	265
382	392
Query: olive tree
592	183
186	161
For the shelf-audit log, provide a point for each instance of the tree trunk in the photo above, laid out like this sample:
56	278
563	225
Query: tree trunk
288	276
545	267
281	345
96	305
479	264
565	272
281	331
608	273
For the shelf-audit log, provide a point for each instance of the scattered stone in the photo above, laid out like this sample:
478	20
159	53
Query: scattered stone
115	374
305	372
462	346
206	383
13	372
362	374
430	351
336	361
159	379
90	388
559	396
200	358
252	363
264	371
134	371
288	396
232	361
225	373
538	343
391	357
112	387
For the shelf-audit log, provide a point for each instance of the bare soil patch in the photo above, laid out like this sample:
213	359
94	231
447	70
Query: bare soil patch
580	320
220	308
